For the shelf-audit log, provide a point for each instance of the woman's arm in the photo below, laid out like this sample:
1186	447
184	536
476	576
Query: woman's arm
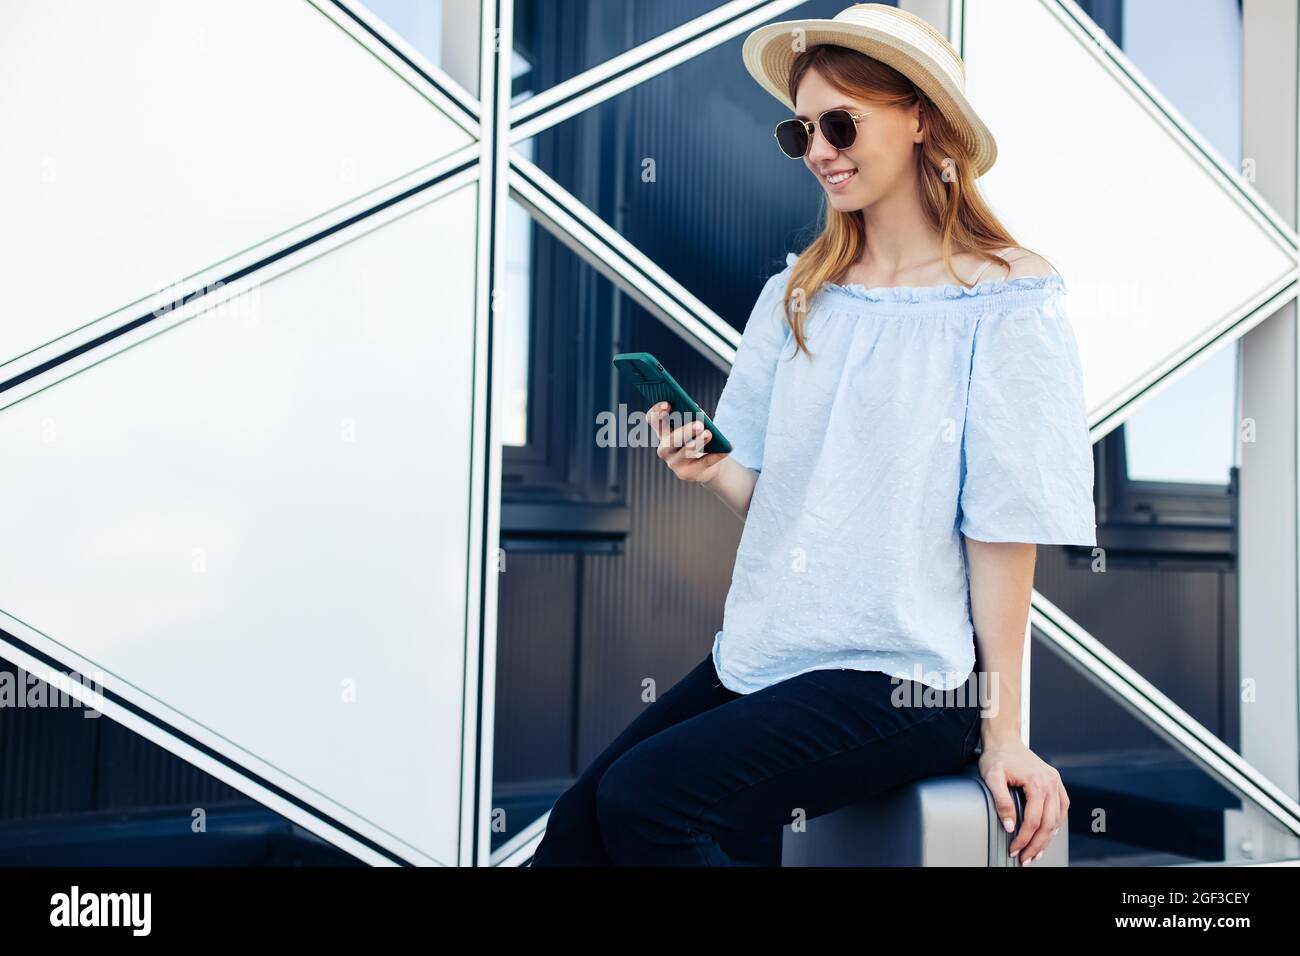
680	448
1001	582
734	484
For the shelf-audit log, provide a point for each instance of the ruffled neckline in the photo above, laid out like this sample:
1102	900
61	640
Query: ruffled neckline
930	293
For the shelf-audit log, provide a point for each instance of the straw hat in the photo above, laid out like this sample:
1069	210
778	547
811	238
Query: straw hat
900	39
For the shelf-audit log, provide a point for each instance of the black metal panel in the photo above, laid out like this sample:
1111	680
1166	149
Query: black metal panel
78	789
71	759
235	835
48	755
1176	624
535	679
1170	622
135	772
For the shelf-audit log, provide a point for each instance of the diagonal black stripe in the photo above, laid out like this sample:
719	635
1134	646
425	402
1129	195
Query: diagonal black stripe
209	752
228	279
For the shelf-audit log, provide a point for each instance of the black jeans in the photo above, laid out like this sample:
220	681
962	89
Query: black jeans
708	777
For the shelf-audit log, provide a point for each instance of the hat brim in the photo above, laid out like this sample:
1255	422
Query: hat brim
769	53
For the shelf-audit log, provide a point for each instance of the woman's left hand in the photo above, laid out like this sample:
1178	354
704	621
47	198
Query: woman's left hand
1013	764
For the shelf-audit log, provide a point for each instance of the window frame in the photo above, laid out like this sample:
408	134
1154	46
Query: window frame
1173	518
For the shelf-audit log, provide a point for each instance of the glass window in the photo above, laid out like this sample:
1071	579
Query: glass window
1188	433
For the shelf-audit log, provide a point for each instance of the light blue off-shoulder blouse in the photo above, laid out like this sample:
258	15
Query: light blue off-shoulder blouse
925	413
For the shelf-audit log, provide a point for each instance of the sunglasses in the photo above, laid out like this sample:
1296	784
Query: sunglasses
839	126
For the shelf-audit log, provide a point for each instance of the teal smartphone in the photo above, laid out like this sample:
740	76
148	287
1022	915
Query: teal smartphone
654	383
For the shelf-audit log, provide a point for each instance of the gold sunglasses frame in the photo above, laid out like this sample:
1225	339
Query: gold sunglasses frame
811	127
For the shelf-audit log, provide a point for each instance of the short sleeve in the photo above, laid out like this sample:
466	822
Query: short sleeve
746	397
1027	467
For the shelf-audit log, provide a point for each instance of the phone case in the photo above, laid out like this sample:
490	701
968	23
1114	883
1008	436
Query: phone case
654	383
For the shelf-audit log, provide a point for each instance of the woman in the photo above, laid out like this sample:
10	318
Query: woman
903	437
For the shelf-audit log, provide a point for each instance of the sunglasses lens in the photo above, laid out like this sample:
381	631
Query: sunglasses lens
839	129
792	137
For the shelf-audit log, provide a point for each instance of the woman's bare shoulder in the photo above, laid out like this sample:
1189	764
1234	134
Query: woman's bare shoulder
1023	263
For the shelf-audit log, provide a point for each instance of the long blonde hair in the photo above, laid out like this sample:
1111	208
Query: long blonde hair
949	198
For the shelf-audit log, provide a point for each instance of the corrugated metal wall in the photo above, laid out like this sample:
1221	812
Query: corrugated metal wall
56	760
1176	623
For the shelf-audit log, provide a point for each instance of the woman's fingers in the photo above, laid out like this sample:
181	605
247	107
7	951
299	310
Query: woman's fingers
682	448
672	443
1046	801
1051	820
695	447
1035	805
1043	812
686	455
1034	795
655	417
1002	802
1053	816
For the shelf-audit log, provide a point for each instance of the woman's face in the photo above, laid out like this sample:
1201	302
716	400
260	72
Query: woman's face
880	159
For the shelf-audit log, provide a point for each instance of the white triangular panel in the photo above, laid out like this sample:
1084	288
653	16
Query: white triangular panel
255	523
1158	248
150	140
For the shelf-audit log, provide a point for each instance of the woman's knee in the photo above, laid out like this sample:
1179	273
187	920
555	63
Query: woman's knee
611	796
575	809
571	837
621	799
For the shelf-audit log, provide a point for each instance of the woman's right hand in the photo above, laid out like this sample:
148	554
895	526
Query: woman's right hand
682	448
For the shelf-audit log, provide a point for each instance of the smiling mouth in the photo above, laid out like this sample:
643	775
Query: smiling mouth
836	179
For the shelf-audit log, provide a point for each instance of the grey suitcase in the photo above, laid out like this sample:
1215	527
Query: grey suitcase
948	820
